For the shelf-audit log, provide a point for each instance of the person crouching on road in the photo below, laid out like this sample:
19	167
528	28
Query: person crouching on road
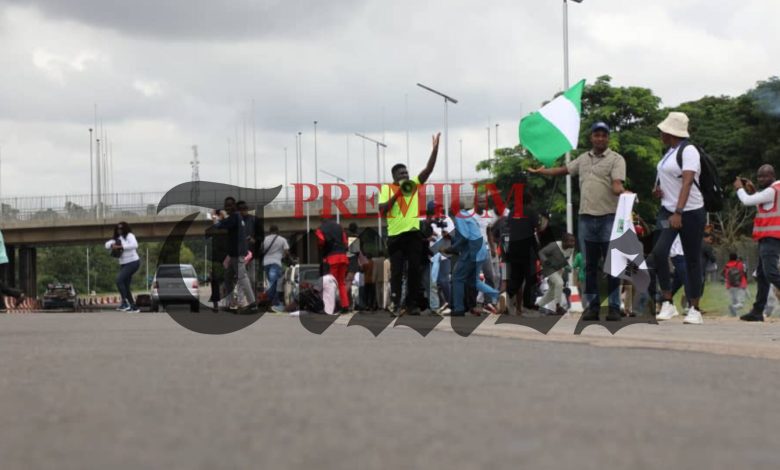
124	246
466	243
332	241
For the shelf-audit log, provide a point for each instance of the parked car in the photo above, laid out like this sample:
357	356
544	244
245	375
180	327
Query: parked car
60	295
300	274
175	284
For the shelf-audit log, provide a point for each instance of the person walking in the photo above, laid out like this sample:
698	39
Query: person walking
736	283
601	172
404	242
274	249
236	273
124	246
766	231
6	290
681	213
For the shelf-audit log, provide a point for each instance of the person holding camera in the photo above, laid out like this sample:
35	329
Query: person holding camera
124	247
766	231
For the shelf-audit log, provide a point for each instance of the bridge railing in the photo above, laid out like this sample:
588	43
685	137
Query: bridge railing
15	211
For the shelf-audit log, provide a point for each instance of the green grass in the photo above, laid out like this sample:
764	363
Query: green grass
716	299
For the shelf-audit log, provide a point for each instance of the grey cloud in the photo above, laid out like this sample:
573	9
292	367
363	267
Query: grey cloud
202	19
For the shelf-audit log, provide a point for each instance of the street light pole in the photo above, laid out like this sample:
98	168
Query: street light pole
378	145
569	208
339	179
286	181
447	100
91	173
99	208
316	173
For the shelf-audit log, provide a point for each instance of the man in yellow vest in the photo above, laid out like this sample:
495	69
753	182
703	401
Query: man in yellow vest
404	239
766	231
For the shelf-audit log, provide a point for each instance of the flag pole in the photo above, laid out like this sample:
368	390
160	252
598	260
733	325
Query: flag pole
569	208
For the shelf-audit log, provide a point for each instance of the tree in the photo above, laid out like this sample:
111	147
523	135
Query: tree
632	113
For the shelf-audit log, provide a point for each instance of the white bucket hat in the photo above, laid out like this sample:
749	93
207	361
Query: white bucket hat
675	124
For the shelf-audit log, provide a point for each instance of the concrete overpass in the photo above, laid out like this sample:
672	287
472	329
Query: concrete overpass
32	222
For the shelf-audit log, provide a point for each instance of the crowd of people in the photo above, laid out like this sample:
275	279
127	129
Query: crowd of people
477	261
482	260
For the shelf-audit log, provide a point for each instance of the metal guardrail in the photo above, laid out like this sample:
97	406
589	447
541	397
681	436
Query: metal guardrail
17	211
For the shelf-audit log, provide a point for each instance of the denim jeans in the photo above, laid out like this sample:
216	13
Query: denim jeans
272	274
691	237
465	273
124	279
594	235
443	280
433	274
767	272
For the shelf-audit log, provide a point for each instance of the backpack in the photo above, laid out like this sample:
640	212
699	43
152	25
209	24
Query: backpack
310	301
734	276
709	181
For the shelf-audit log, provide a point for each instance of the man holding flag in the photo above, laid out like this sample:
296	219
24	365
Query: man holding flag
601	173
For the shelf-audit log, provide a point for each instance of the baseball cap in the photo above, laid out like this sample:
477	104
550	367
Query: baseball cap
599	126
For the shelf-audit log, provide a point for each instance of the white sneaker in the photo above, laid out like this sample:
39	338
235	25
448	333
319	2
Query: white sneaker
693	317
668	311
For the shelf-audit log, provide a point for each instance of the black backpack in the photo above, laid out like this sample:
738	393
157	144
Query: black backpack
734	276
309	300
709	181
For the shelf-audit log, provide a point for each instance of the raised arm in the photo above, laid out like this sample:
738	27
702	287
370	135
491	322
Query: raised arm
426	172
557	171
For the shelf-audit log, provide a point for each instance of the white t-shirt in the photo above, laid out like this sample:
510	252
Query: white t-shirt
274	247
439	232
677	249
485	220
129	248
670	178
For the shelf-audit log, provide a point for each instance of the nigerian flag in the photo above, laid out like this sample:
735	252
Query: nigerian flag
554	129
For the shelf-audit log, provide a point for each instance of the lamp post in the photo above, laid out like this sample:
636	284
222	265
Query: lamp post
447	100
378	145
339	179
91	173
461	161
286	181
316	173
569	209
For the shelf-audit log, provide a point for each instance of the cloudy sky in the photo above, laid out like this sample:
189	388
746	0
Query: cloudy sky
169	74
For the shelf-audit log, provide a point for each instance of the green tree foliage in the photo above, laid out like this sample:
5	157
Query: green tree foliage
740	133
69	264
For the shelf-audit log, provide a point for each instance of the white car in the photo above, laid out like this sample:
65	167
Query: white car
175	284
299	274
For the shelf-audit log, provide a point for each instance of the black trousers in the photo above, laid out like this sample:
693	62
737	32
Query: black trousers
522	270
406	252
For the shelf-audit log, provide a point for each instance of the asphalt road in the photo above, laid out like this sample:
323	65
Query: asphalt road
108	390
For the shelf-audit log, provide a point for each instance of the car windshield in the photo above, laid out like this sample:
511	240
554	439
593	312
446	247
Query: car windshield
175	272
309	275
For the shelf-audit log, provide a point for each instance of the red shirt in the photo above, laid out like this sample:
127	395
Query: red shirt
735	264
335	258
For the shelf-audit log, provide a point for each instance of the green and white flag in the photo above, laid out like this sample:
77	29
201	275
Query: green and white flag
554	129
